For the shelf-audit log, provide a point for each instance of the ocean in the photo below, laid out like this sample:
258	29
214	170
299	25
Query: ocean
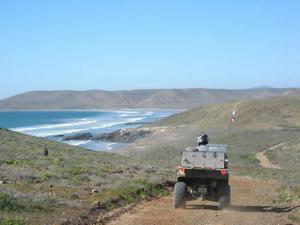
54	124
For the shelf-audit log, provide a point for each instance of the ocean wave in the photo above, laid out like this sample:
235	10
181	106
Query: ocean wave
149	113
110	146
106	125
55	132
76	143
132	120
52	130
127	112
49	126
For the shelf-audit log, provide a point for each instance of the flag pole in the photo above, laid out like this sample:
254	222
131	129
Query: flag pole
231	121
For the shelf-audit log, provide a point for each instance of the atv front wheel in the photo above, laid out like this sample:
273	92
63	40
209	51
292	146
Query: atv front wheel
180	191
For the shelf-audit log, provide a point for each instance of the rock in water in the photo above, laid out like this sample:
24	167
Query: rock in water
81	136
123	135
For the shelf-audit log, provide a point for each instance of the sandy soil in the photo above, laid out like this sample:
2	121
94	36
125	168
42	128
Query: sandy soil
253	202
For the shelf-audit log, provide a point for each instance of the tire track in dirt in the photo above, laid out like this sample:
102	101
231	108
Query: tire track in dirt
252	204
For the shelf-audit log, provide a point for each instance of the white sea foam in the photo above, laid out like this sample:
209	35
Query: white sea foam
131	120
128	112
45	130
109	146
48	133
106	125
76	143
149	113
50	126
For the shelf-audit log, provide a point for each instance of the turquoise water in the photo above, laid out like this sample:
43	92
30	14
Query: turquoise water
52	124
20	119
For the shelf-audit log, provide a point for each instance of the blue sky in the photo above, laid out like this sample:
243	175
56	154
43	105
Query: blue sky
61	44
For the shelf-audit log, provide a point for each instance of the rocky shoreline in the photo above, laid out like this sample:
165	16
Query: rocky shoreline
122	135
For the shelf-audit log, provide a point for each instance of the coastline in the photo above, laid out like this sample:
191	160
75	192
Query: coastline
62	126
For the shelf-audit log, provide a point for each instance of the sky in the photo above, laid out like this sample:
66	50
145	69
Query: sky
119	44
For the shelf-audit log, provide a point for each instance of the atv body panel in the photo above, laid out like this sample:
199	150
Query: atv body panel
203	171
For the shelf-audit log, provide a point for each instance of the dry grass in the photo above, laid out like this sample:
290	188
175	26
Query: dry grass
63	181
276	112
65	178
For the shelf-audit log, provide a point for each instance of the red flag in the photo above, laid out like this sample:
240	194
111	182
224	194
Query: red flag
233	116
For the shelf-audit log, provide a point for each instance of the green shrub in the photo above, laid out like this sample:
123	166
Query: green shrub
12	162
32	179
75	171
139	189
48	201
78	170
9	203
294	218
103	172
250	157
10	221
296	190
82	178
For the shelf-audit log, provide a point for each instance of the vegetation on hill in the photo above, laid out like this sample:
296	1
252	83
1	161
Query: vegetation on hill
70	180
261	124
66	182
276	112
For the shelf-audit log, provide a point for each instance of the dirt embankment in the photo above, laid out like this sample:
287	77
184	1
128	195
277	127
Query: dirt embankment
253	202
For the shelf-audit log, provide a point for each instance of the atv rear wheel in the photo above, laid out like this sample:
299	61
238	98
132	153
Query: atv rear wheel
224	196
180	191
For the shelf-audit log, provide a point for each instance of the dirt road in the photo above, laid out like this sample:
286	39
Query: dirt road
253	202
263	159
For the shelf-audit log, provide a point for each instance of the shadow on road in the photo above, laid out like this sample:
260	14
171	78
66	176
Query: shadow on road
240	208
275	209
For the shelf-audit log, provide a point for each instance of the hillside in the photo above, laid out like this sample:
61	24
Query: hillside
260	124
275	112
156	98
39	189
60	186
264	126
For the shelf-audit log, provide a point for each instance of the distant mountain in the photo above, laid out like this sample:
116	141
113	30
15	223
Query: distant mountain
262	87
151	98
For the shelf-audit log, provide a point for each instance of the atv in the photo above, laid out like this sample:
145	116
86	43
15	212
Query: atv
203	173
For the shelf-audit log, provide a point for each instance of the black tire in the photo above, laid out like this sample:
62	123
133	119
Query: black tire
180	192
224	196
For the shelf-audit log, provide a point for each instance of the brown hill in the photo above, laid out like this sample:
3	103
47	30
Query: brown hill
274	112
155	98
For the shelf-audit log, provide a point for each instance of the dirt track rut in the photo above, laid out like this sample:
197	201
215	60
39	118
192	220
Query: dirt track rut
263	159
252	203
